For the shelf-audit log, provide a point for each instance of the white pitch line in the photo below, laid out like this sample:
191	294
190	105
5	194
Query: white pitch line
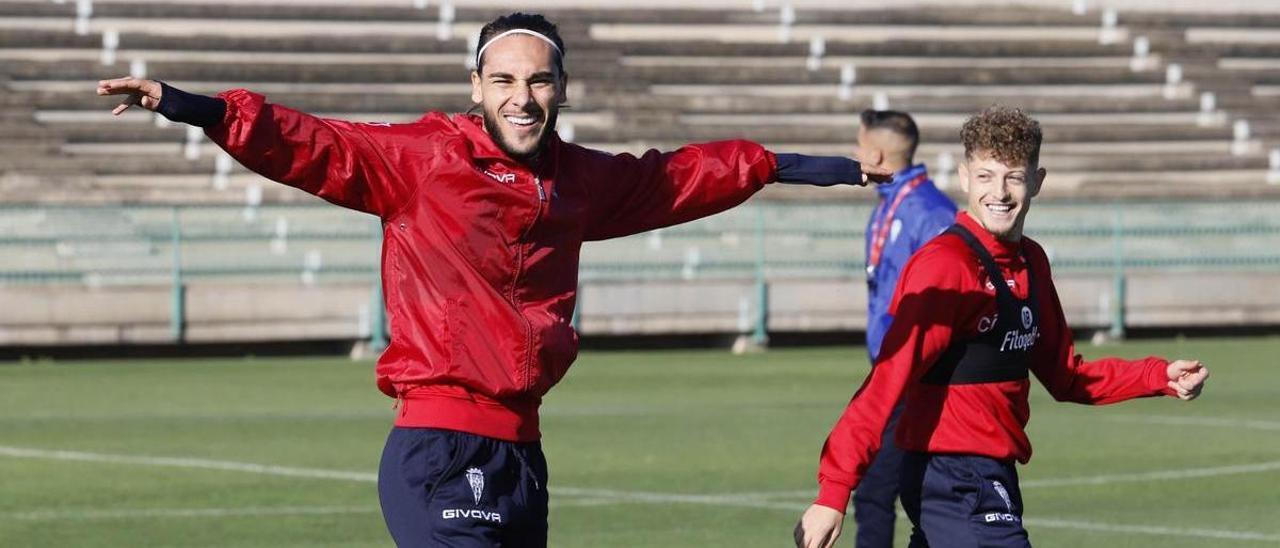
579	496
183	462
760	500
1251	424
1156	475
1185	473
683	498
153	513
1217	534
319	473
138	513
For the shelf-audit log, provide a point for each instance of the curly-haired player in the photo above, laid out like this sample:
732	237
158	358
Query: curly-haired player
975	314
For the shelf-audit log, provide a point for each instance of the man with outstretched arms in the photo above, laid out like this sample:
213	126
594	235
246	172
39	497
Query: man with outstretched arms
483	218
975	313
910	213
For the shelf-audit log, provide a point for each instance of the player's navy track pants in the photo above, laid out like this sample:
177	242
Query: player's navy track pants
875	501
442	488
962	501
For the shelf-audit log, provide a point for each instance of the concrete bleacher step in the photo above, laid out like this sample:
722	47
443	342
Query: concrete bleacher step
201	57
244	72
948	76
25	129
834	33
221	11
308	101
1239	35
994	47
30	148
1266	128
314	43
179	188
896	62
848	134
993	93
1175	185
1201	18
1244	77
1234	50
106	132
236	28
953	120
114	165
831	103
1186	163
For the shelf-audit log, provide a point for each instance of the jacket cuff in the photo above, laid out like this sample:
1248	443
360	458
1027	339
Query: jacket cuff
1158	377
834	495
190	108
772	159
818	170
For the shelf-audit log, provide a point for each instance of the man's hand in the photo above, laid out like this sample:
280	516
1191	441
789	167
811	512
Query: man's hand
1186	378
872	171
140	92
819	527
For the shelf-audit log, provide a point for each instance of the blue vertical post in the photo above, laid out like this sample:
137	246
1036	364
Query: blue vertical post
760	336
575	320
377	305
1119	294
177	295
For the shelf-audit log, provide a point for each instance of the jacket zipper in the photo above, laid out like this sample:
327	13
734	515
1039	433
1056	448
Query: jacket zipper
528	325
542	197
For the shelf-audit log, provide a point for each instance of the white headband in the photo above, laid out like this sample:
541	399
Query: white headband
517	31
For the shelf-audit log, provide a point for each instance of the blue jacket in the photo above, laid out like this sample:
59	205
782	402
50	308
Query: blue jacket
923	214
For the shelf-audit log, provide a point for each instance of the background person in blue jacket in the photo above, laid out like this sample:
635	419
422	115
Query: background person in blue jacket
911	212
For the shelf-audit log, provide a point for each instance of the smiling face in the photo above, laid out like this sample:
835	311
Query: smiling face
520	89
999	194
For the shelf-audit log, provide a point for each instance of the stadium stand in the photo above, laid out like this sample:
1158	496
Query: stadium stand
1145	106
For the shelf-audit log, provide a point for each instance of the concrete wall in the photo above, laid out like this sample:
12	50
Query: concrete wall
215	312
229	312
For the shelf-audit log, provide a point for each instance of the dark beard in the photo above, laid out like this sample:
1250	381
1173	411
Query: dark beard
532	158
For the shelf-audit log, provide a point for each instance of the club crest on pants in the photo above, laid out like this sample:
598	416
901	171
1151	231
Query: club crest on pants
1000	490
476	478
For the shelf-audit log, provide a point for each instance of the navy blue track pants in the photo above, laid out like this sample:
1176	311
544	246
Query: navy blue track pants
876	499
441	488
962	501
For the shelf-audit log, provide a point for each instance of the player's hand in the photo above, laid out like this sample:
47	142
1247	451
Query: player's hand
819	527
872	172
140	92
1186	378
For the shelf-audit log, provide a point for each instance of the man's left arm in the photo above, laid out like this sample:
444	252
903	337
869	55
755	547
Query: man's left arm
1069	377
633	195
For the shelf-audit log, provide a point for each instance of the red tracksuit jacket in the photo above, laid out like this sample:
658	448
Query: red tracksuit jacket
480	254
944	295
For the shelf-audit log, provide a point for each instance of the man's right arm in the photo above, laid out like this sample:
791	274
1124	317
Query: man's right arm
927	303
929	299
349	164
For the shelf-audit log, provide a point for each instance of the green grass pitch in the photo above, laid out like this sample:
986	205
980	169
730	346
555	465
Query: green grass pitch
647	449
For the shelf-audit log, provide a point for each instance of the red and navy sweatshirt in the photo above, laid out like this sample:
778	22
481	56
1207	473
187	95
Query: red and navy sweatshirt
946	297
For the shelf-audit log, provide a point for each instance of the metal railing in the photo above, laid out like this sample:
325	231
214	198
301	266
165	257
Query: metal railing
763	241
